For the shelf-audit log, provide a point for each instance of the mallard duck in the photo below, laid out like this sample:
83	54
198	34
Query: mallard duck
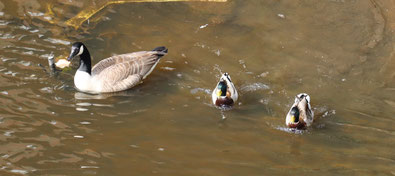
113	74
224	94
300	115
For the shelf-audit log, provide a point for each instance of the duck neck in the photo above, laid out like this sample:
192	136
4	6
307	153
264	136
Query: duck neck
85	61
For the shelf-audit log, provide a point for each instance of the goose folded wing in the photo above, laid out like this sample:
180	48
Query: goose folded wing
114	60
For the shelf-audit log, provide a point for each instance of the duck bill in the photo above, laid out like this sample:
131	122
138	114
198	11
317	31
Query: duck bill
219	93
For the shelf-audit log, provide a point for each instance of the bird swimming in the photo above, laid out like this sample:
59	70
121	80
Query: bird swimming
300	115
113	74
224	94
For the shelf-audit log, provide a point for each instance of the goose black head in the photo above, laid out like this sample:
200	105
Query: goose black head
77	49
222	88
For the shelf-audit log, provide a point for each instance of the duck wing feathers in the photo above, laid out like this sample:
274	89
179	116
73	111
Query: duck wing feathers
232	90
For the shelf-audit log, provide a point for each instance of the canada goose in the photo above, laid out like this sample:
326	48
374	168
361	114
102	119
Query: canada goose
115	73
300	115
224	94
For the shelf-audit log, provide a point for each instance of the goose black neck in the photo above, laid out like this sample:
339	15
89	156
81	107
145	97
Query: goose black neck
85	61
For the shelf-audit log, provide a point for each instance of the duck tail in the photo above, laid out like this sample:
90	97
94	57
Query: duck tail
161	51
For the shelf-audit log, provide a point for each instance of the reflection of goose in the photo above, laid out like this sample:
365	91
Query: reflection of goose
300	115
88	96
225	93
115	73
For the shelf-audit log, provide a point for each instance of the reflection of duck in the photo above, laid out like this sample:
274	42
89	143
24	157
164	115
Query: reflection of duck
115	73
300	115
225	93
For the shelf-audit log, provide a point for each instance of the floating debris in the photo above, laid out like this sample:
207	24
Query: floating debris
281	15
203	26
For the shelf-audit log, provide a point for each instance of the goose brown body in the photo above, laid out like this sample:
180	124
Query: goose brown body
124	71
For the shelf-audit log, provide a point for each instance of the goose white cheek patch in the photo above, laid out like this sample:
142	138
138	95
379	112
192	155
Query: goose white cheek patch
81	50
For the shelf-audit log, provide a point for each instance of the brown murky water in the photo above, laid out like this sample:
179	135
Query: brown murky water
341	52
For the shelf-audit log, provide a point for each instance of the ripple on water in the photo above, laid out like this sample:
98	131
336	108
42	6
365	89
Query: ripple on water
19	171
254	87
81	109
196	90
57	41
290	130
